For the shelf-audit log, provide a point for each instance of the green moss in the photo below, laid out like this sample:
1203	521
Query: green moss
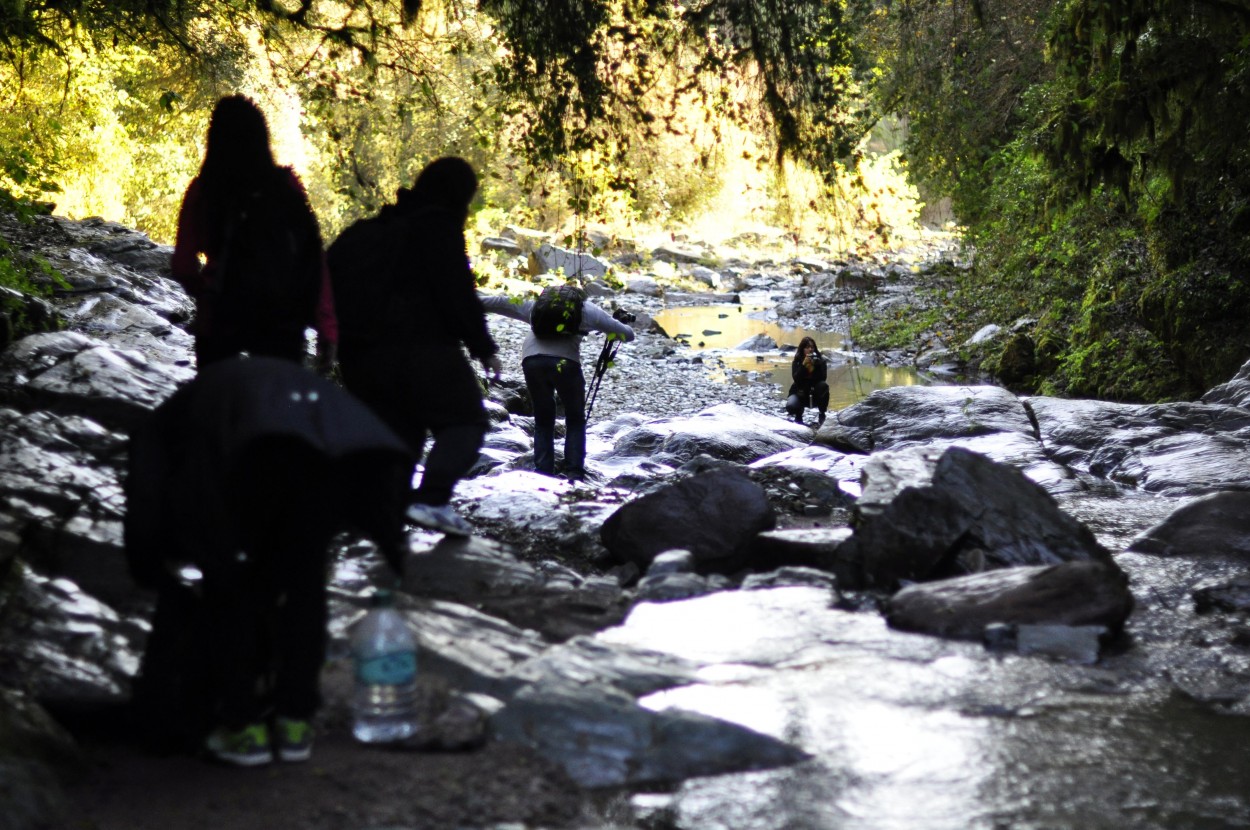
25	282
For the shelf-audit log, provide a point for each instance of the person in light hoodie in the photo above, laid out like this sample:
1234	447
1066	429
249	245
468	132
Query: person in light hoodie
553	368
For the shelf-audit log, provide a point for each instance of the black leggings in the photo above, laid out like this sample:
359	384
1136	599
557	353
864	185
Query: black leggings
265	605
419	392
817	396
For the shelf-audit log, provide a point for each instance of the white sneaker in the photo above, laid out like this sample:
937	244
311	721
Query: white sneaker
442	518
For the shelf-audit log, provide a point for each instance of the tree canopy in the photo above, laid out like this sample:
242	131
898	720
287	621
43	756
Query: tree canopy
1092	148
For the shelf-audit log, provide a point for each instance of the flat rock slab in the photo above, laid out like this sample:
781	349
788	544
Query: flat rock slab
1070	594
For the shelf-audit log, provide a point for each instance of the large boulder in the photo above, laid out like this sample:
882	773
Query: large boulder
726	431
1072	594
1170	449
1235	392
714	515
549	259
1217	525
903	415
922	517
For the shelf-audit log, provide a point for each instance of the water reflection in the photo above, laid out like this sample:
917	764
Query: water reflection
712	327
913	732
724	326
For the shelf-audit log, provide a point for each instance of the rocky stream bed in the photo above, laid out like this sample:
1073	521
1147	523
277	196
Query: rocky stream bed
949	607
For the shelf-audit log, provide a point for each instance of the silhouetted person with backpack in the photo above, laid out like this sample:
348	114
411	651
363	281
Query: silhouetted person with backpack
552	363
404	352
245	474
264	278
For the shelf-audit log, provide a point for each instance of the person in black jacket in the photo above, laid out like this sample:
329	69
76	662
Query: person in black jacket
810	388
241	478
414	373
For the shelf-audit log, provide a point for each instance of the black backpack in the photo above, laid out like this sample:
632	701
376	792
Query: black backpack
557	312
361	273
269	279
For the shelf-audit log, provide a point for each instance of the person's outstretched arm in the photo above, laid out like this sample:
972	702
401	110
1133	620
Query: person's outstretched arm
596	319
506	306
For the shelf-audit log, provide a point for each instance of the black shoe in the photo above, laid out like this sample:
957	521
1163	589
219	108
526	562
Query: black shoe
798	419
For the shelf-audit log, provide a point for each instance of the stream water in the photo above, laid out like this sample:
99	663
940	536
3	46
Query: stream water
908	731
716	330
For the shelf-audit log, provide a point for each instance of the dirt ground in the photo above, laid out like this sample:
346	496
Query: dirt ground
345	786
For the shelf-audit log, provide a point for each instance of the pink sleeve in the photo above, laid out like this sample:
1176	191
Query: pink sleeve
327	320
185	263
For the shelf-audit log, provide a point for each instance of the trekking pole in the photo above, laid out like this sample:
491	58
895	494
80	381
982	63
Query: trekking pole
606	354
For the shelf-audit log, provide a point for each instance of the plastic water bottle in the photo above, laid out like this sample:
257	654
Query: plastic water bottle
384	650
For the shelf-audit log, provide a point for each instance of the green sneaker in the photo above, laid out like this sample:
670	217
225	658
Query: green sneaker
295	739
246	747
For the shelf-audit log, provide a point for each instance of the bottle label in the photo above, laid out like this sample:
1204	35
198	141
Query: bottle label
393	669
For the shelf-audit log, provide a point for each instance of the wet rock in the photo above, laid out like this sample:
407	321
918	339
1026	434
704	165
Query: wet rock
604	739
1017	450
818	471
1070	594
552	599
1171	449
1232	597
917	517
1217	525
60	479
913	414
72	373
790	576
585	660
545	511
758	343
1070	643
672	562
135	250
36	754
669	587
1235	392
714	515
671	576
803	547
468	650
983	335
701	298
726	431
76	650
1017	362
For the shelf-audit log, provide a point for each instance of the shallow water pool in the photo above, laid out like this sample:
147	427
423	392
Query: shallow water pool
718	329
